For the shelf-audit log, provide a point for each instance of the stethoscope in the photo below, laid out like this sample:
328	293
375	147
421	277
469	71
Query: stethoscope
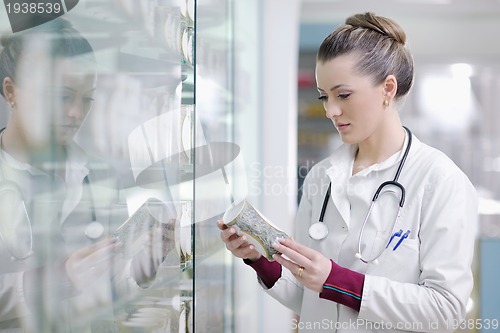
319	230
94	230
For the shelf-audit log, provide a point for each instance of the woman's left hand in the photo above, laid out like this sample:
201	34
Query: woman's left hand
310	267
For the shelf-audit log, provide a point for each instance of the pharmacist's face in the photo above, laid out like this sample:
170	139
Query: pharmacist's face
52	106
73	97
351	100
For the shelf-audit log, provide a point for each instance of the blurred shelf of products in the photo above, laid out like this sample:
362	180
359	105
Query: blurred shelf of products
316	134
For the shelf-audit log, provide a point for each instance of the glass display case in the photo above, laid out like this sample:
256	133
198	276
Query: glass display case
134	247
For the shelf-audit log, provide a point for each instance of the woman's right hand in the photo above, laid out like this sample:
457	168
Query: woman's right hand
88	263
81	269
238	245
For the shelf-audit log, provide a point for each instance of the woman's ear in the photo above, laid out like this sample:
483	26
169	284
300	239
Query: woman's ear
9	90
390	87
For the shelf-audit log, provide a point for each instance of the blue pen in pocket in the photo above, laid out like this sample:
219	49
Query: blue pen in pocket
396	234
401	239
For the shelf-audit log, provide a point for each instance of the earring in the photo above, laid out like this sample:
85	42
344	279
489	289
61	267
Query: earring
12	104
386	103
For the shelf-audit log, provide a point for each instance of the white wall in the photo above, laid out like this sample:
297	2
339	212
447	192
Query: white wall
266	56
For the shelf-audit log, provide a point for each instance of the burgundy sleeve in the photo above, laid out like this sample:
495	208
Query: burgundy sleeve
268	271
344	286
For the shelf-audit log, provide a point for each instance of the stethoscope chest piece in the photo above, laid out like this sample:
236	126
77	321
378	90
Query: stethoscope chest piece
318	231
94	230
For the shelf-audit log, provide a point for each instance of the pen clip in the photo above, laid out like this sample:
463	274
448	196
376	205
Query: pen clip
396	234
401	239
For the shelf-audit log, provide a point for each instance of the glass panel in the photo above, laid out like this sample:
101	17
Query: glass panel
218	163
96	165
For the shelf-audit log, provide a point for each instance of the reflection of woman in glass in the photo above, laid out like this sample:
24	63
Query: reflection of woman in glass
48	79
18	70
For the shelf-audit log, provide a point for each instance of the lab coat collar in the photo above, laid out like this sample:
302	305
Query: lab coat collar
388	163
340	171
76	170
76	163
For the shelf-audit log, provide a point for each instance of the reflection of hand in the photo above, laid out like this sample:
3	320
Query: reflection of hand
238	245
87	264
80	270
310	267
156	246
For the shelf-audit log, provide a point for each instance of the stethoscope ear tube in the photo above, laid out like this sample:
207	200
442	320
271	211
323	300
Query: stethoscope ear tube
94	229
325	202
394	183
319	230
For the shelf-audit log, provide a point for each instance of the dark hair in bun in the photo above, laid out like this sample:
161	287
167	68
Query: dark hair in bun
380	45
65	41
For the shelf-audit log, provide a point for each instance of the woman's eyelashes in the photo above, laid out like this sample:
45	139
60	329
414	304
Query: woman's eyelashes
343	95
324	98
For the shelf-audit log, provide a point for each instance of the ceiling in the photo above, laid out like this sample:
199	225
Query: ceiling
460	29
325	10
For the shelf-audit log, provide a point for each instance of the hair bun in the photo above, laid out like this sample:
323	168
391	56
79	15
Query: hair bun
379	24
55	25
5	40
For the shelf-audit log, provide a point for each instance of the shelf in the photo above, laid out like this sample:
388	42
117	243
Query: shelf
316	125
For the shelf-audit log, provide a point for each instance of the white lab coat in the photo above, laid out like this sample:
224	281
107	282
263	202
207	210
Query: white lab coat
59	211
422	286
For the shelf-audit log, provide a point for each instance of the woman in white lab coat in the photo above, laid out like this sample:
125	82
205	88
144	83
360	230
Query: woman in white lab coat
361	268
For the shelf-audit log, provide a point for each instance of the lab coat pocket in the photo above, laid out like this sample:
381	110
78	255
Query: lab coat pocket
398	262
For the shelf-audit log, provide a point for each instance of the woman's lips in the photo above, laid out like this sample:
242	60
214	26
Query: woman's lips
70	126
342	127
69	129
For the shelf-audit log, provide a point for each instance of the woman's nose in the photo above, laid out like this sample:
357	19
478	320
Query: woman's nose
76	111
332	109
